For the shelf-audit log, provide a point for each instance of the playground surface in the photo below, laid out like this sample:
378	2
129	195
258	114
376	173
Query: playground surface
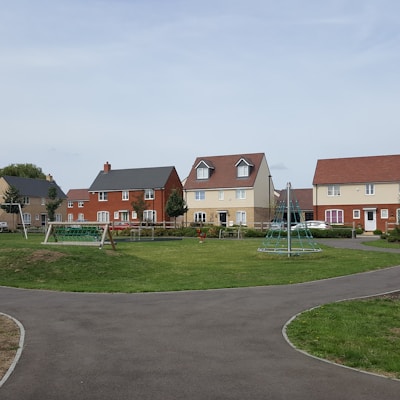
215	344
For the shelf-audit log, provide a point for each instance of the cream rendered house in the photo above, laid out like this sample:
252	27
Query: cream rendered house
229	190
360	191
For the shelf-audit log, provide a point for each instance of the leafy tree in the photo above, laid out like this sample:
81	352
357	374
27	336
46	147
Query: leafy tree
176	205
139	205
53	203
23	171
12	197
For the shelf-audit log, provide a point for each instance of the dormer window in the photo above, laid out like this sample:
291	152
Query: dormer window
243	168
203	170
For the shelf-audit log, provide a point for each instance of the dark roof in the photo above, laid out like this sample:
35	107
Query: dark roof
78	194
131	179
357	170
224	174
33	187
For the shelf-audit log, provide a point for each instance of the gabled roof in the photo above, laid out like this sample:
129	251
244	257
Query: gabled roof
224	174
304	198
131	179
358	170
78	194
33	187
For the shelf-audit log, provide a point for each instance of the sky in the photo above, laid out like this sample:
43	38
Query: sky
150	83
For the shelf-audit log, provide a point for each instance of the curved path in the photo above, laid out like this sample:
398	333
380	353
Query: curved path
217	344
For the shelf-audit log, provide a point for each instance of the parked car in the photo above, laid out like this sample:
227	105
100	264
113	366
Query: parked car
311	225
120	226
3	227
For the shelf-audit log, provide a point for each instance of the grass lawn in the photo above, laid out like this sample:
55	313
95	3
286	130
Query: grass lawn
170	265
363	334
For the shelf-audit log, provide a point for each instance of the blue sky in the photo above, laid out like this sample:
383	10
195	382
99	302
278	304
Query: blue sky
142	83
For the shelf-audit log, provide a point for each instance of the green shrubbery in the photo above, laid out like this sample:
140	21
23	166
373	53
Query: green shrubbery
393	236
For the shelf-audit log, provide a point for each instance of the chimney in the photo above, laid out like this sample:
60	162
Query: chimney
107	167
49	178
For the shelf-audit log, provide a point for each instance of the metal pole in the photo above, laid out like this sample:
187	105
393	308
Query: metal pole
289	220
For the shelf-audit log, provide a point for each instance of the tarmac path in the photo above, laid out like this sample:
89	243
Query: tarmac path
206	345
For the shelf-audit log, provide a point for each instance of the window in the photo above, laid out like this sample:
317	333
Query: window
70	204
243	171
334	216
80	204
124	216
116	215
384	213
356	214
81	217
149	194
200	195
202	173
398	216
369	189
199	216
58	217
241	217
134	215
221	195
240	194
103	216
103	196
43	201
70	217
26	200
27	218
125	195
149	215
333	190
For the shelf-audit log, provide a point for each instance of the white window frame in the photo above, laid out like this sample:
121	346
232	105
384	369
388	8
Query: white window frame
103	196
58	217
240	194
26	200
81	217
103	216
27	218
149	194
199	217
243	171
125	195
43	201
356	214
334	190
202	173
134	215
398	216
241	218
369	189
384	213
334	216
70	217
200	195
221	195
150	216
81	204
70	204
116	215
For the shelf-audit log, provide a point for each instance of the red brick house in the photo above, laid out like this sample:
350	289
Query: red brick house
113	191
77	204
360	191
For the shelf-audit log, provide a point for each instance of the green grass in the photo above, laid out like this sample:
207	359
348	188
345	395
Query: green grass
363	334
170	265
382	243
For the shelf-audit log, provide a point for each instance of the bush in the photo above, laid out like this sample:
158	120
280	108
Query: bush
393	236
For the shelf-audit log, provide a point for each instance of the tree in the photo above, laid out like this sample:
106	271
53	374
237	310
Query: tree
139	205
23	171
176	205
53	203
12	198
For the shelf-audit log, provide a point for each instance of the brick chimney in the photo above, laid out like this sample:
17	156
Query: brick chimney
107	167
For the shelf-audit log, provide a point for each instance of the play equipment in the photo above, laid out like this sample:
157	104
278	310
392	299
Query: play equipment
282	237
79	234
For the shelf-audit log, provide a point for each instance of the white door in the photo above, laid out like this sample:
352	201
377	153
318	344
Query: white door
370	220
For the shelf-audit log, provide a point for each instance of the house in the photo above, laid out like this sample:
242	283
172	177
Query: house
112	192
77	203
35	195
229	189
304	201
358	191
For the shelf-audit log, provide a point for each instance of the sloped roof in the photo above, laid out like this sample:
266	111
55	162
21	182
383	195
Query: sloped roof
131	179
358	170
224	174
33	187
78	194
304	198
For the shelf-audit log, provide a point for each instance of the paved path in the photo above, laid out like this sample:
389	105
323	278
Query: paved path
206	345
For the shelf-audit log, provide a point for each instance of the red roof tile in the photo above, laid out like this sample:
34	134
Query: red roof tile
224	173
358	170
78	194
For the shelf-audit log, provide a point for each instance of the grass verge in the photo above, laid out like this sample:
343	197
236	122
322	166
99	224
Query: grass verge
362	334
170	265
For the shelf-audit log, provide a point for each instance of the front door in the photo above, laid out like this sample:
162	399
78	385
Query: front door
222	218
370	220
